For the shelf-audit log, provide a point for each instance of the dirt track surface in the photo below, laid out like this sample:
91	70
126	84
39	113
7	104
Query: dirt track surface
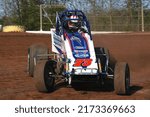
16	84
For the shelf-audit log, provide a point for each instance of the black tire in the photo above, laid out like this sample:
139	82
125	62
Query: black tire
103	55
100	50
34	50
106	51
44	81
122	78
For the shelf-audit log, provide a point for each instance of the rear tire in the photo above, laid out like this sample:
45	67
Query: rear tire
100	50
122	78
103	55
33	51
45	76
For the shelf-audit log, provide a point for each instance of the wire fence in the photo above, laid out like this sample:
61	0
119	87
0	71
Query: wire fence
114	20
105	23
118	23
103	15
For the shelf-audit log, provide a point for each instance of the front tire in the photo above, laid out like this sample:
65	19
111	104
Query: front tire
45	76
33	51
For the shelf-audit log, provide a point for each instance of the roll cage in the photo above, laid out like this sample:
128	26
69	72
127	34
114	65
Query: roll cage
63	17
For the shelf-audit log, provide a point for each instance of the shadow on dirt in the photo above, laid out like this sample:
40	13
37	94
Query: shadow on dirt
88	86
60	85
134	89
92	86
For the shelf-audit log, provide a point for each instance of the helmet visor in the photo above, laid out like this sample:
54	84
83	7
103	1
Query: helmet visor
74	23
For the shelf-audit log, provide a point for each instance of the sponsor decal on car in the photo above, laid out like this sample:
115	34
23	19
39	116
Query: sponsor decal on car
82	62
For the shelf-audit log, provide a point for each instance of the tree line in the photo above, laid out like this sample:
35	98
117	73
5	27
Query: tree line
112	15
26	12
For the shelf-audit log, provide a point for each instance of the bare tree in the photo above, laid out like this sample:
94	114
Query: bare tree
129	7
110	13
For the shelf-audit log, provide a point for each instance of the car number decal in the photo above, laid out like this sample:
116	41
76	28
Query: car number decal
82	62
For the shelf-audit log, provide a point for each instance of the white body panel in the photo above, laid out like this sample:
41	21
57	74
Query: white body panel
92	68
58	42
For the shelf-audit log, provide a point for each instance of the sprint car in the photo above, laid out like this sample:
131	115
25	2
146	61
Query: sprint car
74	58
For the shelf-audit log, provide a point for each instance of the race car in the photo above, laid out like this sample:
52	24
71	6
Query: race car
74	57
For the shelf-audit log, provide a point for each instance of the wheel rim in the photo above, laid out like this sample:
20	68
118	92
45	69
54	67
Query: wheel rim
49	77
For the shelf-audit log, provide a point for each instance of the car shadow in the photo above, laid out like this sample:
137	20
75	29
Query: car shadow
92	86
134	89
85	86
